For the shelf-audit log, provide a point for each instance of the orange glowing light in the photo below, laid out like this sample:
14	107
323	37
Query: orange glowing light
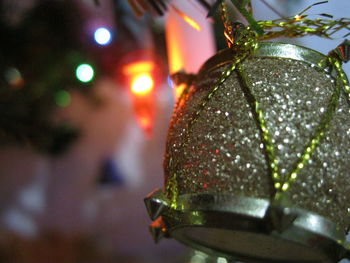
142	84
179	89
175	57
138	67
188	19
145	122
297	17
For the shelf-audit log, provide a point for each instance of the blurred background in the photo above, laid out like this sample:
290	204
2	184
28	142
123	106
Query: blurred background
86	100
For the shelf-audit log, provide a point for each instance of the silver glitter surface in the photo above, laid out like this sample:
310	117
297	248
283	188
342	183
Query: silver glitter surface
214	145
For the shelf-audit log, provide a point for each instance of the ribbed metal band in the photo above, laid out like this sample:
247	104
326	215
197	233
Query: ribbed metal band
272	49
250	215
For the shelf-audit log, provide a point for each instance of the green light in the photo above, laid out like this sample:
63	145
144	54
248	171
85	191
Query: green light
85	72
63	98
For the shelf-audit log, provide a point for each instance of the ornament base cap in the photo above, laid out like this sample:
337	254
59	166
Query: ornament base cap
252	229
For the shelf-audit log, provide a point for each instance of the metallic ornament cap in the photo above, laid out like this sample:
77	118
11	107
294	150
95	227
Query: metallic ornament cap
156	203
279	214
158	229
216	225
281	218
342	51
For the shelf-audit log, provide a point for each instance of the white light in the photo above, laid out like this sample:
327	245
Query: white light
85	73
103	36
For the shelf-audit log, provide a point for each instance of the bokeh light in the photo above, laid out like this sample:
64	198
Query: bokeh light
138	67
103	36
85	72
14	78
62	98
142	84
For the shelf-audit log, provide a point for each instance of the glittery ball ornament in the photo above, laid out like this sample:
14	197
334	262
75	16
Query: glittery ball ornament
257	163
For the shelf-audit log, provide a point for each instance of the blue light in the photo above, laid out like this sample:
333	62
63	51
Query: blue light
103	36
170	82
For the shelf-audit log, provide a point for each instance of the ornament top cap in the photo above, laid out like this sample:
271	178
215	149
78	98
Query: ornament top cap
269	49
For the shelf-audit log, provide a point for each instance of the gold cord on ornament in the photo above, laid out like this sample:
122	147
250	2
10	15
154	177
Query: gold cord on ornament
297	26
243	41
265	133
341	82
243	47
282	185
172	191
315	141
228	31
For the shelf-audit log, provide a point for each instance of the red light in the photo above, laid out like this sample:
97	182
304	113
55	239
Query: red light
145	123
138	67
142	84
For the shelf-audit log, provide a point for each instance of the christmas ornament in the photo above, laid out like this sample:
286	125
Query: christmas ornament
257	160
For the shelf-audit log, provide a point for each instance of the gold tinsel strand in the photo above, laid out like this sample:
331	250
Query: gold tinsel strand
300	26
